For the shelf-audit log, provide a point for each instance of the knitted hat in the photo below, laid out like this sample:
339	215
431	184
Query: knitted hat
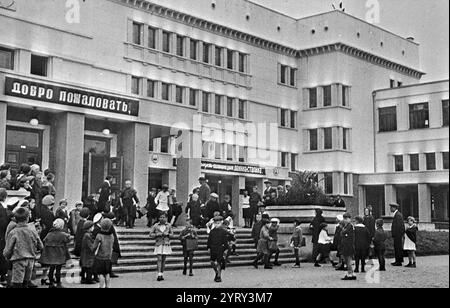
106	224
58	224
48	200
87	225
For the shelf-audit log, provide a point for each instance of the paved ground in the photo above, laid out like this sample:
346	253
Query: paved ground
432	272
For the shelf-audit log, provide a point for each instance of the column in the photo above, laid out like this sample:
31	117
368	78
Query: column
390	196
424	200
169	177
188	172
134	147
3	112
69	157
238	184
361	199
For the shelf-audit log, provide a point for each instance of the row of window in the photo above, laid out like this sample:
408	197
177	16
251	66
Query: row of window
323	96
287	75
288	118
414	162
183	46
289	160
39	64
222	151
394	83
419	117
322	138
330	187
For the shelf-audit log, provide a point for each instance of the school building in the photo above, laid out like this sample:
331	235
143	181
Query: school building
164	91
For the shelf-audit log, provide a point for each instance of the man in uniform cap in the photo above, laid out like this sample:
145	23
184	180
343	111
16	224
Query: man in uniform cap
398	233
217	244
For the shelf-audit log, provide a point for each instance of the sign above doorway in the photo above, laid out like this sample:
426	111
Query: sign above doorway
238	168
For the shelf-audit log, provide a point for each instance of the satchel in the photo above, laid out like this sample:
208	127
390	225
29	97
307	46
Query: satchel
191	244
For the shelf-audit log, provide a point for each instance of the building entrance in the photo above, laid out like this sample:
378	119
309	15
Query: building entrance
23	146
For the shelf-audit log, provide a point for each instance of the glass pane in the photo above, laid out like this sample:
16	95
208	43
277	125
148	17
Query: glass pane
6	58
22	138
98	147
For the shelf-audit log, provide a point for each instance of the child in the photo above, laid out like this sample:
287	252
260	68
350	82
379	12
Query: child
379	244
211	223
273	242
103	245
231	240
410	241
84	215
189	240
337	243
324	247
22	245
348	245
217	244
55	253
74	218
263	245
296	242
193	211
87	257
162	232
362	244
61	213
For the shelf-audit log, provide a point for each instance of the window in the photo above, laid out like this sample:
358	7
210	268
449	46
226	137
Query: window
431	161
230	106
165	91
328	138
328	183
39	65
313	144
6	58
283	74
242	62
166	41
294	162
218	151
218	56
419	116
165	144
414	162
218	104
398	161
205	102
283	118
313	98
293	77
179	94
284	159
399	84
445	112
346	184
135	86
327	96
445	160
193	94
242	154
241	111
137	33
293	119
392	83
387	118
206	49
345	139
345	96
230	150
151	88
151	38
194	49
230	59
180	45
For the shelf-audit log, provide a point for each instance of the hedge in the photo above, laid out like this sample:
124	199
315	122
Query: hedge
428	244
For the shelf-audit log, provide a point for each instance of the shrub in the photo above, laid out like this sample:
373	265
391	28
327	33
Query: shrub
305	190
428	244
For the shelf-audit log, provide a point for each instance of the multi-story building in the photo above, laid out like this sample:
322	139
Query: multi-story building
165	91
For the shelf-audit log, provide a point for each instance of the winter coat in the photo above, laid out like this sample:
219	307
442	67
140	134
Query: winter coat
348	240
55	250
22	243
379	240
87	255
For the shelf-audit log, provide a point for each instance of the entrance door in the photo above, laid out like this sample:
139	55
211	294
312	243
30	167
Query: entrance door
95	164
23	146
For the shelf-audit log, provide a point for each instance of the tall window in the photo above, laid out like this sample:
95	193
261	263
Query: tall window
283	74
241	111
194	49
165	91
6	58
345	96
329	183
284	159
39	65
205	102
294	162
193	94
445	112
137	33
313	140
165	144
242	60
218	56
206	51
230	106
431	161
445	160
180	45
179	94
398	161
230	59
151	88
230	151
313	98
135	85
392	83
387	118
283	118
327	96
293	77
218	150
293	119
345	138
242	154
166	41
419	116
414	162
218	104
328	138
151	38
346	184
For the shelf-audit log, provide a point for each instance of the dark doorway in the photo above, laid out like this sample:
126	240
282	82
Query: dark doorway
375	198
408	199
23	146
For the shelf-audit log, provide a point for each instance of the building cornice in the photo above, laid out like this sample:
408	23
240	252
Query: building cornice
209	26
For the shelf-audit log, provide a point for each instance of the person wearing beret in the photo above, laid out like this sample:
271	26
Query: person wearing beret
44	212
398	234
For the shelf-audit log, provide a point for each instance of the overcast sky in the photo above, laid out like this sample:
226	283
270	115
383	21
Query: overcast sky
426	20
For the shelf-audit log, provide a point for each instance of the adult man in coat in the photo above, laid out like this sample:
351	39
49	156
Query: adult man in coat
204	191
105	194
129	201
398	234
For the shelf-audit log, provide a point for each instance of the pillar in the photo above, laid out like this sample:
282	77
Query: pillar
188	172
424	200
134	148
69	157
390	196
169	177
361	199
238	184
3	113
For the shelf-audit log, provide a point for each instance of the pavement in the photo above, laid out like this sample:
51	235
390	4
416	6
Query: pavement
431	272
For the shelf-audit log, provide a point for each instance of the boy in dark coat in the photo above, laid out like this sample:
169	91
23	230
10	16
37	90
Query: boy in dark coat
348	245
217	244
84	215
379	242
194	212
315	228
87	256
362	244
